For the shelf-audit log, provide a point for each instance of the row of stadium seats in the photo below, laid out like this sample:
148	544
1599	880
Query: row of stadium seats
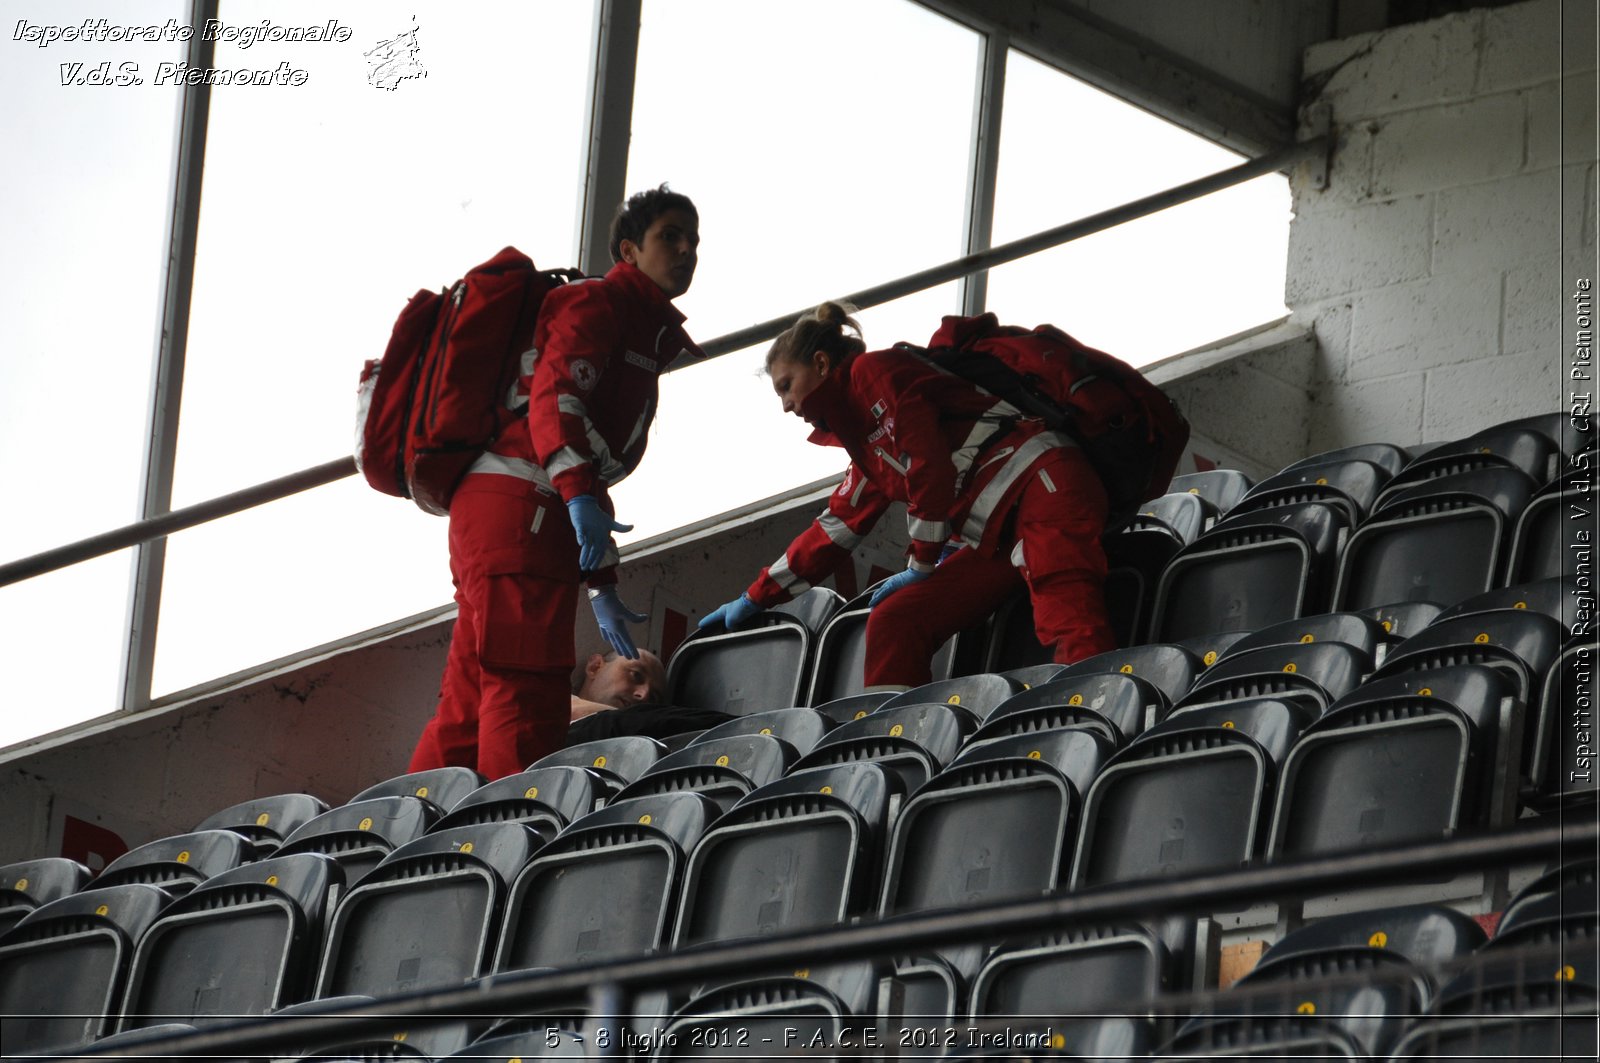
1413	980
1366	528
1140	764
1251	739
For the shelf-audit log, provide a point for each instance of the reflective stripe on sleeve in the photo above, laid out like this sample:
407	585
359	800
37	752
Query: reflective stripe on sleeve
565	460
927	530
838	531
781	574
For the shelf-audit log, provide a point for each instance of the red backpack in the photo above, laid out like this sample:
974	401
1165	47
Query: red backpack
446	384
1128	428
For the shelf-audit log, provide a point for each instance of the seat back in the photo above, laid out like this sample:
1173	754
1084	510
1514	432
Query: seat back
1352	484
1528	451
1539	540
1386	456
1320	671
813	1008
1440	539
1364	633
1135	558
841	656
978	694
613	876
1567	888
724	769
27	884
546	799
1171	668
62	967
1192	793
441	786
178	863
1428	936
1555	597
1401	620
1571	435
799	852
1092	971
1250	570
999	822
1561	759
1519	642
801	728
266	821
622	758
242	943
362	833
843	710
1122	702
1312	1002
913	741
427	915
1339	788
761	667
1222	488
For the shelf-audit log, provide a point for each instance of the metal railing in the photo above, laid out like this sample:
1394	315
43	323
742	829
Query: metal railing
189	516
608	988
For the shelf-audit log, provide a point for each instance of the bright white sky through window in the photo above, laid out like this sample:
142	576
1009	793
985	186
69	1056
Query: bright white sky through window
825	144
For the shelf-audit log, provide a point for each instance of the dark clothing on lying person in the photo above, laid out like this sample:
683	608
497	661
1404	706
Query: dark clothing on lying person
651	721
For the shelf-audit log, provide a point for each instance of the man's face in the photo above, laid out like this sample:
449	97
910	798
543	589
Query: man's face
621	683
668	252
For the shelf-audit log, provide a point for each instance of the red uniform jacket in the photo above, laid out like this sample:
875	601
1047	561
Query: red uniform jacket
955	454
590	383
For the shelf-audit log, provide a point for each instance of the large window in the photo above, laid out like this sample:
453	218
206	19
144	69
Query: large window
826	146
326	205
83	212
1155	287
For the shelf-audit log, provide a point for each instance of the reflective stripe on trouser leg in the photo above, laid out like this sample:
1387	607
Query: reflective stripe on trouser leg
907	628
1060	518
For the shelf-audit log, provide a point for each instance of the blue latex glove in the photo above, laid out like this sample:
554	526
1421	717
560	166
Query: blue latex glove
613	617
594	527
896	582
735	614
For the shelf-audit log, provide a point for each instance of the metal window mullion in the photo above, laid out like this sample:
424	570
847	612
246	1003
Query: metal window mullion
614	63
166	388
983	167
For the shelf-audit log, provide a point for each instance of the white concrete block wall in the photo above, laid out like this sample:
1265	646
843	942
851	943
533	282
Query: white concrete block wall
1434	268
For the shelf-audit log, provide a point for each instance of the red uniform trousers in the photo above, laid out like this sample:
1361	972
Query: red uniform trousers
1052	546
505	698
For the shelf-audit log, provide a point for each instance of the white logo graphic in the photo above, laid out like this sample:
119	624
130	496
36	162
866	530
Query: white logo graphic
395	60
584	375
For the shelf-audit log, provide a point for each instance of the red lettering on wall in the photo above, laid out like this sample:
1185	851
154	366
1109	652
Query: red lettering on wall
90	843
